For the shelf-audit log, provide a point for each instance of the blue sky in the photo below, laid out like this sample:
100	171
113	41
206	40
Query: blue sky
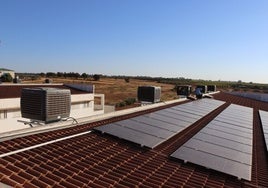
199	39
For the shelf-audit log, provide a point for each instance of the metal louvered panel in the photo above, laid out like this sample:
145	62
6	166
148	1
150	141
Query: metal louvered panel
45	104
58	104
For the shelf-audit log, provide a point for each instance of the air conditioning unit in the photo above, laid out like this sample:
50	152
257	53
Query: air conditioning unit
149	94
212	88
203	88
184	90
45	104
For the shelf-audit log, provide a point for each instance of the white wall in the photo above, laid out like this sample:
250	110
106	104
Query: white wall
12	73
82	106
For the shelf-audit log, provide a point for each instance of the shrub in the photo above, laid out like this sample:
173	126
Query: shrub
96	77
130	101
6	78
121	104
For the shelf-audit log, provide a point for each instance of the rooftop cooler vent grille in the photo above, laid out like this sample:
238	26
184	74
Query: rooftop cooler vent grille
184	90
149	94
45	104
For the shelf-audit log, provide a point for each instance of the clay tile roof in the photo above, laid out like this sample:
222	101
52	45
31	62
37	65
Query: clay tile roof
96	160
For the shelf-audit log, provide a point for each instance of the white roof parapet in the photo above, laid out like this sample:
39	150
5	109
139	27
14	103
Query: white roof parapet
82	87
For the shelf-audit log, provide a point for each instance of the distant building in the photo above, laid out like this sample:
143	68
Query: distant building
6	71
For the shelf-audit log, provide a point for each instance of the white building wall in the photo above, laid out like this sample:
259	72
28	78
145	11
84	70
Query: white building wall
12	73
82	105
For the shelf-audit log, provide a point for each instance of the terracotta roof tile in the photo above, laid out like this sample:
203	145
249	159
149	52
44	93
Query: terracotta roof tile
82	178
17	178
5	171
101	183
25	175
29	185
13	168
58	186
129	183
21	165
60	175
40	169
8	181
65	171
67	184
75	182
33	172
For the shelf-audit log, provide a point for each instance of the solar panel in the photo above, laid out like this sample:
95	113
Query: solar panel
132	135
154	128
223	145
151	130
159	123
232	131
264	121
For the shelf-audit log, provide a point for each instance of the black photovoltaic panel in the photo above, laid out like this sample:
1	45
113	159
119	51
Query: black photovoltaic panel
150	130
132	135
232	131
223	145
154	128
158	123
264	121
221	141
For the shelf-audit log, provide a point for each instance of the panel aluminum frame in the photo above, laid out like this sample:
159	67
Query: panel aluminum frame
264	121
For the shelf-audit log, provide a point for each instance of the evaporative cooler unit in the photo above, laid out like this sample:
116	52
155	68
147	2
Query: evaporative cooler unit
185	90
45	104
212	88
203	88
149	94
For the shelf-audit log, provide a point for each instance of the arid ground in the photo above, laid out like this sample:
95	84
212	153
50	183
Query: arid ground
117	90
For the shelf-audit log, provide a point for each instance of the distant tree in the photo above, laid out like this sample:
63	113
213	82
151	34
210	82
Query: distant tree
84	76
127	79
42	74
50	74
76	75
6	78
59	74
96	77
71	75
34	77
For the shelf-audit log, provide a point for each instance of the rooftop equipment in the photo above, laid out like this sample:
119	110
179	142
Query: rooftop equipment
45	104
149	94
185	90
203	88
48	81
212	88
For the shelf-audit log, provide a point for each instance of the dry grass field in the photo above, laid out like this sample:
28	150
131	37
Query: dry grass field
117	90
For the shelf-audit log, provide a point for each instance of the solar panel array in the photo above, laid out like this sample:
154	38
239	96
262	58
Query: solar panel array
225	144
154	128
264	121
